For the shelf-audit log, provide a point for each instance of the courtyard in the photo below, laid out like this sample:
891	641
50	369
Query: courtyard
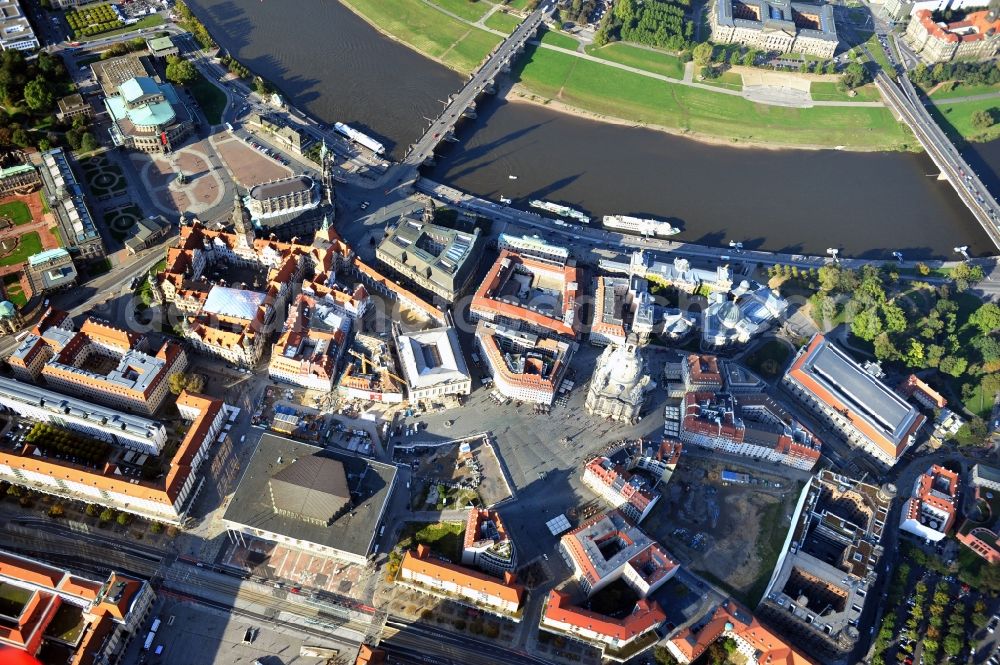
105	179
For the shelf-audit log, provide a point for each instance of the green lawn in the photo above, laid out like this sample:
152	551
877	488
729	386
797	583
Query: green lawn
952	89
209	97
429	31
503	22
875	47
145	22
594	87
30	244
17	211
640	58
559	39
445	538
58	234
727	80
829	91
518	4
956	119
12	287
470	10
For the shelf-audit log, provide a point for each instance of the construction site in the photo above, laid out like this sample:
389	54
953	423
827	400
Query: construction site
370	373
741	518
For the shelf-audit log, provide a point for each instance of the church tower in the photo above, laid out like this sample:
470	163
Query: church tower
242	224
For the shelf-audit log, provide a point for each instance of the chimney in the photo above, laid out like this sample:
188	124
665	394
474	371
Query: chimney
423	551
509	578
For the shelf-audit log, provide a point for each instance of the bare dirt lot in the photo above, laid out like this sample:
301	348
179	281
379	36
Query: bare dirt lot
447	464
730	533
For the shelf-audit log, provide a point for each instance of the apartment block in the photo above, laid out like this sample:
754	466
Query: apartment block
471	587
610	634
629	493
61	617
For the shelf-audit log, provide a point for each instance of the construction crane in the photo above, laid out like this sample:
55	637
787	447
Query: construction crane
365	362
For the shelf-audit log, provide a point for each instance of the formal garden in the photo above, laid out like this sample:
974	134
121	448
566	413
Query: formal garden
92	20
120	220
104	178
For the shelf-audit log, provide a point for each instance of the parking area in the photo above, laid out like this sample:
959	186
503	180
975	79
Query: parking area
190	633
248	166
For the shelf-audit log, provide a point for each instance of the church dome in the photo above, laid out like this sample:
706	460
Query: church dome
729	314
626	366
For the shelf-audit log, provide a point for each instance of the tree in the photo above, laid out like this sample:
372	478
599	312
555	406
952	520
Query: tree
953	365
866	325
92	509
195	383
702	54
750	58
180	71
884	347
107	515
87	142
176	382
123	518
38	96
56	510
854	75
20	138
968	272
983	119
894	317
915	354
986	318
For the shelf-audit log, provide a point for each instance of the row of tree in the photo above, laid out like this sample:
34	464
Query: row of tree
971	73
660	23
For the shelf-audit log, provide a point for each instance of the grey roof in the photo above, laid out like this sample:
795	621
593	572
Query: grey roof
283	187
369	482
313	487
97	416
778	15
429	252
866	395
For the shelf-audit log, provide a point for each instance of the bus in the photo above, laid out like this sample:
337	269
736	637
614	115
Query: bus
149	640
155	626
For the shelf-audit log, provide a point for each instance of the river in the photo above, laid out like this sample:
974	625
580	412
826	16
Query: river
332	64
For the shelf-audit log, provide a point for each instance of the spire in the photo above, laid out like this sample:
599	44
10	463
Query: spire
242	223
326	223
322	153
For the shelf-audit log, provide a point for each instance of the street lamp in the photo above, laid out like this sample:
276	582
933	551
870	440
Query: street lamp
964	251
834	254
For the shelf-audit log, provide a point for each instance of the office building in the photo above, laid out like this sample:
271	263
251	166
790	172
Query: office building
73	106
611	547
828	566
618	638
932	508
61	617
66	200
523	365
754	641
753	425
914	387
16	32
869	413
118	482
435	258
631	494
311	500
432	362
529	294
974	37
783	26
619	384
50	270
487	545
161	47
424	572
148	116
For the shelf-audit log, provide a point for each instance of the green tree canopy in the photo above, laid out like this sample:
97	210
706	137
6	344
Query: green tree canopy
180	71
37	95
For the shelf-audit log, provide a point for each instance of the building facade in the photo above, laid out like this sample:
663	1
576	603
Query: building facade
775	25
487	545
523	365
932	508
66	199
470	587
975	37
626	492
619	384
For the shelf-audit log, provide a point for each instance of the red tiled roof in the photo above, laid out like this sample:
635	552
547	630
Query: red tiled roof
419	563
646	615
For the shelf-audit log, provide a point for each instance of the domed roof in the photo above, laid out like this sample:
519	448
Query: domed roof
626	366
7	310
729	314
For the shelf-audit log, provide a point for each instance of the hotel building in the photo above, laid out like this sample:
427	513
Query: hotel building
523	365
869	413
524	293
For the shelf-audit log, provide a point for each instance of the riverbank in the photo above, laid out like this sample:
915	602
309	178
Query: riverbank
610	91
